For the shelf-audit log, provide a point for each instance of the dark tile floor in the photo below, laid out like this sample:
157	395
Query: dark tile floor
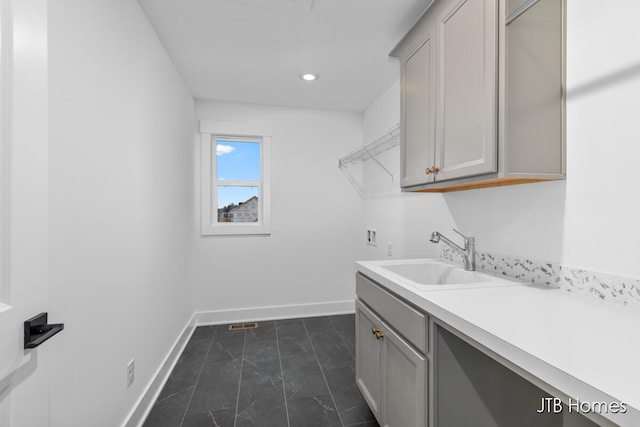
296	372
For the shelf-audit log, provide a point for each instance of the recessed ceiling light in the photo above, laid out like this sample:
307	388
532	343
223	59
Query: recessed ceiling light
309	77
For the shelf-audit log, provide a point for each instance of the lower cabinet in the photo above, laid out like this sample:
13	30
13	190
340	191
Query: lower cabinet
390	372
415	371
403	383
369	359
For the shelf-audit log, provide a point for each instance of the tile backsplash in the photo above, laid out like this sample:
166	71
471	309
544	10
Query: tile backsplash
604	286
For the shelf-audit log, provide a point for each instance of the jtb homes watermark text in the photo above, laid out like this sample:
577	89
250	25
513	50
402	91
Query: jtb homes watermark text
555	405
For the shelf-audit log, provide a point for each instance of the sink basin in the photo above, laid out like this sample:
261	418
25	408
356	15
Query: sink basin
438	273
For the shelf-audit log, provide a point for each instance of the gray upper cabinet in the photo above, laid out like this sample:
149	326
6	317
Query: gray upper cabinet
466	131
534	98
514	5
482	100
418	111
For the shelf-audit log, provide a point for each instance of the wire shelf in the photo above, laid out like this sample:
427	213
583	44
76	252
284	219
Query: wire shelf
389	140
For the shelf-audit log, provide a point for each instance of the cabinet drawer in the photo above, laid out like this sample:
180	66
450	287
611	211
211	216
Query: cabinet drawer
411	324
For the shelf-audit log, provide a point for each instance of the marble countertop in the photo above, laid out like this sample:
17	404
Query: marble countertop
586	349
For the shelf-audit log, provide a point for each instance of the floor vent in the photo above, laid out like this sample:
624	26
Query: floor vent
241	326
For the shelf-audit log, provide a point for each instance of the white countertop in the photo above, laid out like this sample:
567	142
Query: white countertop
585	348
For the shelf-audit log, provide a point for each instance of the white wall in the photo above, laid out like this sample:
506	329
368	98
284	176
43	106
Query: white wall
601	222
24	271
405	220
308	258
121	207
591	219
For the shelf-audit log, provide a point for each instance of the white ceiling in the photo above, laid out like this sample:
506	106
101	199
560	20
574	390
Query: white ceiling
252	51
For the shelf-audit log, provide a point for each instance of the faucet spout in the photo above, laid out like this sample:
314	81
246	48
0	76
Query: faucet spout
468	252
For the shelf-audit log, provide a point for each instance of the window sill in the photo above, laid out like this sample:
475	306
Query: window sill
231	229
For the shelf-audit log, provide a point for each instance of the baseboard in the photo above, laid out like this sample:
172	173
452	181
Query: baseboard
144	404
220	317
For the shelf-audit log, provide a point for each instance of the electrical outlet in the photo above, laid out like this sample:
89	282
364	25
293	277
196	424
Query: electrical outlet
131	372
389	249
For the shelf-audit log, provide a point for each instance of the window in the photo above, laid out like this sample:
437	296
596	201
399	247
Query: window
235	177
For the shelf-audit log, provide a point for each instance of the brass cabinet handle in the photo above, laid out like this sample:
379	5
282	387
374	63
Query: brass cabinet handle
432	169
377	333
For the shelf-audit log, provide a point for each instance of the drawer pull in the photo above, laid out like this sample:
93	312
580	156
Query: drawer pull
379	335
375	331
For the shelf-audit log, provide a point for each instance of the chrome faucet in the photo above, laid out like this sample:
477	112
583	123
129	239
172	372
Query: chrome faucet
468	252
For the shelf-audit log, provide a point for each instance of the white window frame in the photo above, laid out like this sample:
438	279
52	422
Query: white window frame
235	131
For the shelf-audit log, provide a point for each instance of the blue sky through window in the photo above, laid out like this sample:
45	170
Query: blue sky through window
239	161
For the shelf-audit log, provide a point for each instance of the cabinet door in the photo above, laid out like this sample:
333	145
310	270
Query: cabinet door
418	114
514	5
369	359
404	383
534	104
466	142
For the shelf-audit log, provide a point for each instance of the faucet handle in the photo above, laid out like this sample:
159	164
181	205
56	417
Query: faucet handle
463	236
466	238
